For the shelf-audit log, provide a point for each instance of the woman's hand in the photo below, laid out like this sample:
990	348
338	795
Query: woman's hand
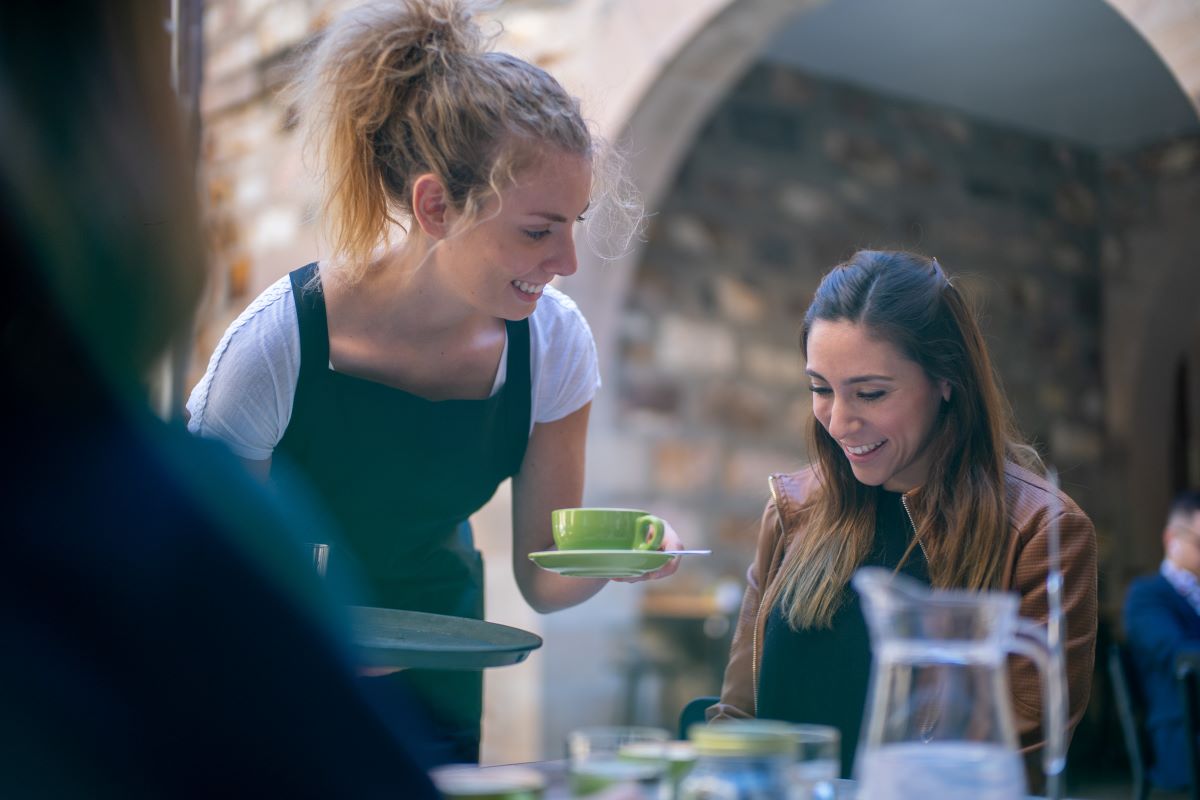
551	477
670	541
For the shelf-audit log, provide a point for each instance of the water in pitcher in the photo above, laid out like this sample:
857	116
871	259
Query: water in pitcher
939	720
943	770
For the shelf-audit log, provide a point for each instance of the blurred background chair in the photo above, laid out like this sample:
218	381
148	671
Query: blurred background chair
693	712
1187	671
1131	712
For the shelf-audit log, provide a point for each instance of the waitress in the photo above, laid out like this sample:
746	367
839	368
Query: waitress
405	377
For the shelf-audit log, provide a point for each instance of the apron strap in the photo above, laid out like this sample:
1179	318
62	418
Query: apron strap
518	386
314	322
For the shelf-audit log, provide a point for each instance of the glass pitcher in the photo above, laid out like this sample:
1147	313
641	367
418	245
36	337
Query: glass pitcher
938	720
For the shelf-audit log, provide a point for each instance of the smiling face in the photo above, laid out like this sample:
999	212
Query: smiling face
877	405
500	265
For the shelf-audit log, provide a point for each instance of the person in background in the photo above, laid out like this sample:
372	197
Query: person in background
428	358
1162	619
164	634
917	468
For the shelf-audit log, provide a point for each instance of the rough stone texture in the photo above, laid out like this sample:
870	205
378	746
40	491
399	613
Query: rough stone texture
1151	355
685	467
806	183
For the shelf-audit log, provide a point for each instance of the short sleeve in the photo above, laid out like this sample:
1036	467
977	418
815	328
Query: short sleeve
245	397
566	371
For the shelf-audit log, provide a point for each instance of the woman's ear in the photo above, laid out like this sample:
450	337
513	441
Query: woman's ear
431	207
944	386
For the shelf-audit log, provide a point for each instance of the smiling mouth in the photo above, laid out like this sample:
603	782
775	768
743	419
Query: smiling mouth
864	449
529	288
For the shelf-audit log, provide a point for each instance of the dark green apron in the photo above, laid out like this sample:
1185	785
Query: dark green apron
400	475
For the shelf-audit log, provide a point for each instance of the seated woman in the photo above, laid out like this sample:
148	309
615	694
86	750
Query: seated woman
918	468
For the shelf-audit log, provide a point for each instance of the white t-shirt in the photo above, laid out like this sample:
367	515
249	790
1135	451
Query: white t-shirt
245	397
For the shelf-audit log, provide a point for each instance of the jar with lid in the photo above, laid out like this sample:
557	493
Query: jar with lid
742	760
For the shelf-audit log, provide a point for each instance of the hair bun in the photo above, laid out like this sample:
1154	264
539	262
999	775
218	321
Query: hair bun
445	29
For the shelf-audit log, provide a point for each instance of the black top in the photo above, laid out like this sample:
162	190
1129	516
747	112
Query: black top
819	676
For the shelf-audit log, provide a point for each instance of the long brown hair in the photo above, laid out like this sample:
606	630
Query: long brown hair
959	512
394	90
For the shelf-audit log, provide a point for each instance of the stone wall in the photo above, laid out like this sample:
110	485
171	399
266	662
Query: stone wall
1152	330
259	196
1081	263
790	176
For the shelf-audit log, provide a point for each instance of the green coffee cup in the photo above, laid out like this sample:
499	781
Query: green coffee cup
606	529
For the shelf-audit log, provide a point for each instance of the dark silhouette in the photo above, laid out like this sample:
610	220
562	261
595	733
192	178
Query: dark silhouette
163	633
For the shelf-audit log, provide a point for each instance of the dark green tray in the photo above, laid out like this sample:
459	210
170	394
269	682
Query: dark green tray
387	637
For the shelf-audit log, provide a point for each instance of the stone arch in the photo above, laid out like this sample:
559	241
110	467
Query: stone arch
687	58
658	133
663	106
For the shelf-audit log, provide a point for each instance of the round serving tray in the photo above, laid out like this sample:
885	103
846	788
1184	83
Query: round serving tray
388	637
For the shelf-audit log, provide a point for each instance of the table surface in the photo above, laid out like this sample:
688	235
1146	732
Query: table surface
555	773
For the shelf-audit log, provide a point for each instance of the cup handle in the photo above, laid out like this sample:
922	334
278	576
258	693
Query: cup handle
652	525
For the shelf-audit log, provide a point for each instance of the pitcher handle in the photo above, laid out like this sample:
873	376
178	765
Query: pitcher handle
1054	695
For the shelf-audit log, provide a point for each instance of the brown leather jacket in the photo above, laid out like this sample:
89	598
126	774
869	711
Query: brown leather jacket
1029	508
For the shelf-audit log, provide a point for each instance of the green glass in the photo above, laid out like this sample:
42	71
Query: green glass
597	774
600	758
675	757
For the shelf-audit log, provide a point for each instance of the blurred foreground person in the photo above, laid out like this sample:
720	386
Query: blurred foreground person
1162	619
164	634
916	468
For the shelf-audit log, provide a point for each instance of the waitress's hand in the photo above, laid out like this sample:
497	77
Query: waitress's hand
670	541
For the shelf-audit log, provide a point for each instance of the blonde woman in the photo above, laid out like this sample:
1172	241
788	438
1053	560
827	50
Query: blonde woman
917	468
428	359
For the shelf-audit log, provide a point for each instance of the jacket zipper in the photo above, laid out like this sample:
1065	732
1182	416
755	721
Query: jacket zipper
761	600
920	544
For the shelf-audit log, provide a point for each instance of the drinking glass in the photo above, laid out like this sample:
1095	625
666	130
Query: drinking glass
678	756
472	782
599	758
320	557
818	761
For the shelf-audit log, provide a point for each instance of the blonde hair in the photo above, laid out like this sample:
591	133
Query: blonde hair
394	90
960	514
